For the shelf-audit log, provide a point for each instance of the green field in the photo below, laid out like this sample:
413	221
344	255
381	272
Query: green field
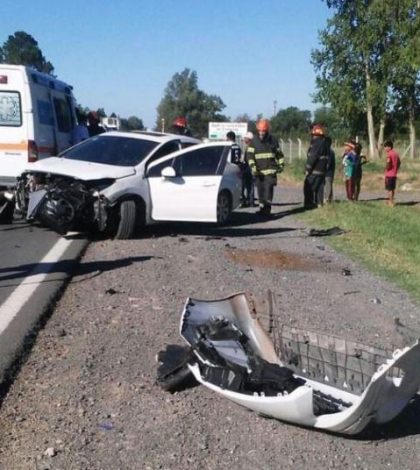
384	239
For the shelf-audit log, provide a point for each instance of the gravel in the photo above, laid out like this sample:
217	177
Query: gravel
86	398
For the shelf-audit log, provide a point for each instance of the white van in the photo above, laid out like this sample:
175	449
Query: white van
37	117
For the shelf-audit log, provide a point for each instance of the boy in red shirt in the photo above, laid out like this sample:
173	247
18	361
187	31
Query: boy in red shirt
393	163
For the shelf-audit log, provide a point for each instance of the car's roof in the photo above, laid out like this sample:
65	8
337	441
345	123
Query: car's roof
158	137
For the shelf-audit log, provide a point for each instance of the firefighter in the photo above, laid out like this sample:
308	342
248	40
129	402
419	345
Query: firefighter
265	160
180	127
315	168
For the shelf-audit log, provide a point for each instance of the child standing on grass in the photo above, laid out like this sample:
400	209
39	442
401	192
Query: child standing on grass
392	166
349	161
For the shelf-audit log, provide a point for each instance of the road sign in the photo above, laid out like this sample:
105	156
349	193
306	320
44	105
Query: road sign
218	130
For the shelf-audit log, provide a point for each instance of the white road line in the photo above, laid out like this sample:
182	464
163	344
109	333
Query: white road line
17	299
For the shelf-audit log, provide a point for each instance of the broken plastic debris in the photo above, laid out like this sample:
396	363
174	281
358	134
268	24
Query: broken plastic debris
370	385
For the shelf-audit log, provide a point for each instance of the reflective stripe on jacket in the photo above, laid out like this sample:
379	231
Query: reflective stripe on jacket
264	156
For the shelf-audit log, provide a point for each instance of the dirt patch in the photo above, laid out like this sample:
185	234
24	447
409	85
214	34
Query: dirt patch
273	259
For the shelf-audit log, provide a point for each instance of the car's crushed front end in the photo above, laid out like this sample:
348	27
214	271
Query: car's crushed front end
64	203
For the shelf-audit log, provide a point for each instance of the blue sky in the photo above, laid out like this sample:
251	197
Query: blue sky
121	54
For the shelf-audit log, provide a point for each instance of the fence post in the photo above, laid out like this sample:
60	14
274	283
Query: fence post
282	145
290	150
300	148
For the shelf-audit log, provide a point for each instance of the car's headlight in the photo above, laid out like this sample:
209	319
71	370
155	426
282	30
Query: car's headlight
100	185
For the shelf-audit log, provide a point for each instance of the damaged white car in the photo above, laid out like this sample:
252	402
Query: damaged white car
117	182
296	375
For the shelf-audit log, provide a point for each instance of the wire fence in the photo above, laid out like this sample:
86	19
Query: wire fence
297	148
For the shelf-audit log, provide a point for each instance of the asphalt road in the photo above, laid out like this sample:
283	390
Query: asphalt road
22	247
87	397
34	264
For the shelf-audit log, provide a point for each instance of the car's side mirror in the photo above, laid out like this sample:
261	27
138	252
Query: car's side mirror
168	172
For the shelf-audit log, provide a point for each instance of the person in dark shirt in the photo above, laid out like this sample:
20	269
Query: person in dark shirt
247	196
360	160
315	168
329	174
235	150
94	127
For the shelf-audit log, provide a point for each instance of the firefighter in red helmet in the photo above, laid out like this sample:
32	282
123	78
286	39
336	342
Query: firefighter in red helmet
265	159
180	126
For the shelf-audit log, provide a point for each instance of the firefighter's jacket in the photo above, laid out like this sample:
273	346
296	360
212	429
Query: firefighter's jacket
265	156
318	156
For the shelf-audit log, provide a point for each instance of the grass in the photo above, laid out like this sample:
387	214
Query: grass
373	173
385	240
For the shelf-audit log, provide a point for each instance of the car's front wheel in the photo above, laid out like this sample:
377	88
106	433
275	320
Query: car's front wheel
224	208
127	220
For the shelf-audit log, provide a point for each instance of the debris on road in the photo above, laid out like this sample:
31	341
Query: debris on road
50	452
296	375
328	232
346	272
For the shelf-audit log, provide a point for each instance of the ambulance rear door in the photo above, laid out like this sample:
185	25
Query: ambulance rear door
15	120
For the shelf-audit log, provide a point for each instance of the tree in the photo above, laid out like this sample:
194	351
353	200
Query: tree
252	122
22	49
337	127
361	52
135	123
101	113
291	122
405	60
182	97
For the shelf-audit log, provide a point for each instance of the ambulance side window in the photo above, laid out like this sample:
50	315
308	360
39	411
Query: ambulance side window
63	115
10	109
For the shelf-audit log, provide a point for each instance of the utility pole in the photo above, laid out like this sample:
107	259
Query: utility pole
275	106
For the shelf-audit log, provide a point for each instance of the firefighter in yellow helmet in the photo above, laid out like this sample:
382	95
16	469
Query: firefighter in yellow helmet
265	159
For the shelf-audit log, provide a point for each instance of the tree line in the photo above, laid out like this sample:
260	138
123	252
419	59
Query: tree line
367	79
368	67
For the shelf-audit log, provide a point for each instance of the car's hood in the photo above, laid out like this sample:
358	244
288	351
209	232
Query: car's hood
85	171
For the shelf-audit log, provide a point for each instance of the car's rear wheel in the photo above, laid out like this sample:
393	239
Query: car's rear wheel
127	220
7	209
224	208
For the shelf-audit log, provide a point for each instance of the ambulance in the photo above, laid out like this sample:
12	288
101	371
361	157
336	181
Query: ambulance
37	117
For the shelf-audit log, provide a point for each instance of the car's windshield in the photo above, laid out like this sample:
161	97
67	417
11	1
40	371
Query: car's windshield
111	150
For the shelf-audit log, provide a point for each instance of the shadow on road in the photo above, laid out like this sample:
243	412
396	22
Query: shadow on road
242	224
405	424
68	267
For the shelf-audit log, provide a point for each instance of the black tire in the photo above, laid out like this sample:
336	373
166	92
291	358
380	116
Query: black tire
7	209
127	220
224	208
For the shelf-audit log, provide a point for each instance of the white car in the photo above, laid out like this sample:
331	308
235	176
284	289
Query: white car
117	182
